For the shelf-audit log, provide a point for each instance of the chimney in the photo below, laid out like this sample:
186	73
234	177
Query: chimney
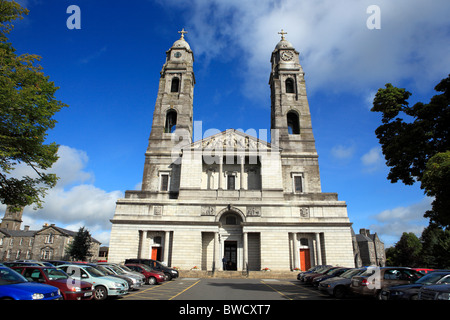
26	228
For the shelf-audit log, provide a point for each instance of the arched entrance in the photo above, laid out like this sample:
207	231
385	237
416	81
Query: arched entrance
231	238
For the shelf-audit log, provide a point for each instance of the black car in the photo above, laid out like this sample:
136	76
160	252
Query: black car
411	291
435	292
327	275
170	273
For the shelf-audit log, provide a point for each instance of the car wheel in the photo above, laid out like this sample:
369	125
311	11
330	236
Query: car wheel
151	280
168	276
414	297
339	292
378	295
100	293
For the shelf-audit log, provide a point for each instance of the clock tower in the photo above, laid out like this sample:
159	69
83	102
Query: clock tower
172	118
291	120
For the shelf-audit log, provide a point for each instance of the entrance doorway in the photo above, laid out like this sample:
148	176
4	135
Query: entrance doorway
156	253
231	255
305	259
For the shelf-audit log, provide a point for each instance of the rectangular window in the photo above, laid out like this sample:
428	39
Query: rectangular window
297	182
164	182
231	182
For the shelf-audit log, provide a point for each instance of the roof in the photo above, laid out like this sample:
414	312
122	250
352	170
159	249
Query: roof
232	140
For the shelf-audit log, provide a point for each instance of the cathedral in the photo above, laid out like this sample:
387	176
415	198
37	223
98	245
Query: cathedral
232	201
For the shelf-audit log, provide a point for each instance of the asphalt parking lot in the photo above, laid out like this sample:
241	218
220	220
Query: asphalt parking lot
226	289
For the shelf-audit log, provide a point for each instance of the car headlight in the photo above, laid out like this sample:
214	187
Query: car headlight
118	284
37	296
76	289
443	296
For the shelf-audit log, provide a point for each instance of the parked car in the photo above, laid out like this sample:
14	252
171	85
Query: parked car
136	281
435	292
109	273
70	289
151	276
125	269
310	277
171	273
375	279
310	270
339	287
13	286
57	262
411	291
11	264
327	275
104	286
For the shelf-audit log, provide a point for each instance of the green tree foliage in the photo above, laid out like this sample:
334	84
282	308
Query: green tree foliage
415	143
79	249
27	107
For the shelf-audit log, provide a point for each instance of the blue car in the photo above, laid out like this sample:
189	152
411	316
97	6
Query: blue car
14	286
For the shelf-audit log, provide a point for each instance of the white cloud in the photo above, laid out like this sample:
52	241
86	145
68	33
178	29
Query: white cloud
338	51
373	159
342	152
392	223
75	201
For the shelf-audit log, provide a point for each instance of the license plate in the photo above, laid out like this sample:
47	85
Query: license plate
88	294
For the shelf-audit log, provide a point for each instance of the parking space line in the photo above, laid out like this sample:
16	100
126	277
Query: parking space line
281	293
145	290
184	290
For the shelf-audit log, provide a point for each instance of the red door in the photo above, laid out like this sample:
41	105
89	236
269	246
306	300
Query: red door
305	259
154	253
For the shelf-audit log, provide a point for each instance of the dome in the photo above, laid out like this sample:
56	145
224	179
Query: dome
284	44
181	43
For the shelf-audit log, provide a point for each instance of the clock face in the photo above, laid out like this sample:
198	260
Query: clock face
177	54
287	55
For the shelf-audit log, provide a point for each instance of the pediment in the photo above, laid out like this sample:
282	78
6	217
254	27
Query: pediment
232	140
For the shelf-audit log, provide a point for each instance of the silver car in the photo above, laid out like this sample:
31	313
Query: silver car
339	286
136	279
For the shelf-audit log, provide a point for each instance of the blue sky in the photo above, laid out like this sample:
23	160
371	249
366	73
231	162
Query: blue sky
108	73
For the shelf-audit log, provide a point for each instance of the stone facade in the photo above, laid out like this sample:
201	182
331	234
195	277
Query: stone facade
48	243
230	195
370	249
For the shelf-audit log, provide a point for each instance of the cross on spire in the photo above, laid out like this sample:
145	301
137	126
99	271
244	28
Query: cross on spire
182	33
282	34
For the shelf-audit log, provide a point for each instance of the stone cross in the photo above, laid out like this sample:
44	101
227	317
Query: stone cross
184	32
282	34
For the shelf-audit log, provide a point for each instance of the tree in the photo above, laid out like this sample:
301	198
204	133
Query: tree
415	142
27	107
408	250
80	247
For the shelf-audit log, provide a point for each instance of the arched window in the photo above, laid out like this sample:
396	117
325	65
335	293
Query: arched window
293	123
290	86
171	121
175	85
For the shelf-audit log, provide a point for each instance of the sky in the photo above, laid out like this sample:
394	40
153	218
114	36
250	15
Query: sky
108	74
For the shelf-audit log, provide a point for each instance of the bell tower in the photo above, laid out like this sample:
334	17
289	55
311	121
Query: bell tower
291	120
172	118
12	219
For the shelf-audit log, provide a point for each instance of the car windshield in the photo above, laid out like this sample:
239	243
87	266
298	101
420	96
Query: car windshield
117	270
55	274
8	276
94	272
430	278
125	268
146	267
103	270
350	273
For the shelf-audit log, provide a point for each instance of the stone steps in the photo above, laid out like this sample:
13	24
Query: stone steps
239	274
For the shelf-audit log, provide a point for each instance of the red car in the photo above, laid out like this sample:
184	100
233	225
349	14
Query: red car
71	289
151	276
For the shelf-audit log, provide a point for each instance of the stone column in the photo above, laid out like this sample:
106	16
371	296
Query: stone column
244	267
217	258
220	172
296	251
166	247
242	159
318	249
